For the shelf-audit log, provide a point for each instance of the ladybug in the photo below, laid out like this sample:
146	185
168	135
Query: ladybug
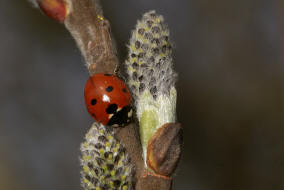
108	100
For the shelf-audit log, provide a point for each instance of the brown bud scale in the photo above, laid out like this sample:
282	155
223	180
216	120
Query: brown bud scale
164	149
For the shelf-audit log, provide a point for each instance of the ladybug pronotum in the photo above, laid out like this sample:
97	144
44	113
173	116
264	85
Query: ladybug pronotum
108	100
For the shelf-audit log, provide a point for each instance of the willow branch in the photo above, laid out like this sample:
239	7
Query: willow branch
91	31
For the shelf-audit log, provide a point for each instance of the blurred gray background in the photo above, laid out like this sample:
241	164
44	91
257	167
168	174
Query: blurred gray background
230	93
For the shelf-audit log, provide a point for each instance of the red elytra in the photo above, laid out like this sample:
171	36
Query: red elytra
108	100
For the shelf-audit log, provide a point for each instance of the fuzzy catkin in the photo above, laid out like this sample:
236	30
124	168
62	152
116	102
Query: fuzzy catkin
149	63
151	77
105	163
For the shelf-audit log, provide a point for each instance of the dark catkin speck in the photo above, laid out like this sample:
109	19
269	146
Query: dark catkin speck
153	15
126	183
154	96
156	50
116	183
141	87
88	177
164	48
118	171
149	23
158	65
98	146
135	65
133	55
111	108
140	78
141	55
134	75
107	176
97	171
102	139
152	81
137	44
93	101
110	166
141	31
90	165
156	41
99	160
149	36
151	72
133	88
105	187
144	65
152	59
155	29
121	150
94	180
116	159
144	47
106	155
153	90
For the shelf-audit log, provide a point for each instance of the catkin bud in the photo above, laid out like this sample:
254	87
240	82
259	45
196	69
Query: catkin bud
151	77
105	163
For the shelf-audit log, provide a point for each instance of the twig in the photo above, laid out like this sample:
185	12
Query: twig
91	31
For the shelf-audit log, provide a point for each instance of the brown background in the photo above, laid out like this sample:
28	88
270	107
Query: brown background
230	93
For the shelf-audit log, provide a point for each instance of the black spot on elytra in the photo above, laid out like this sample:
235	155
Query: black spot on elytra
111	108
109	88
120	118
93	101
124	90
107	75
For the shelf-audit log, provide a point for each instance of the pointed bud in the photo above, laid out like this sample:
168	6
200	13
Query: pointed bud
164	149
55	9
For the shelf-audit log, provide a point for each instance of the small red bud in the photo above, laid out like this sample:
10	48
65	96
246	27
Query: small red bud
55	9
